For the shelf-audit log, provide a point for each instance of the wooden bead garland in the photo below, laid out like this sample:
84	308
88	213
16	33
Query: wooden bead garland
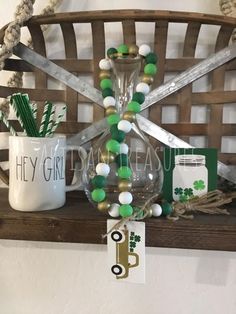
116	149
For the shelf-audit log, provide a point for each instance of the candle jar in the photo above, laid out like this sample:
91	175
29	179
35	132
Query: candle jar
190	177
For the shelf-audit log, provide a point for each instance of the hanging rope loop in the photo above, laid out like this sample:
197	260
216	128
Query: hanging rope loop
23	13
12	35
228	8
24	10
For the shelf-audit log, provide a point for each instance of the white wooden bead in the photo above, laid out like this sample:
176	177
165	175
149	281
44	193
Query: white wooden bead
125	198
156	210
105	64
102	169
124	148
125	126
144	50
143	88
109	101
114	210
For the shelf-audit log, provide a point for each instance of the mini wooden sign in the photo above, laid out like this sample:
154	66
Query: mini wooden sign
126	251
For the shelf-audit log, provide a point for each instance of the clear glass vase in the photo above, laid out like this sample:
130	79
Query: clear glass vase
147	173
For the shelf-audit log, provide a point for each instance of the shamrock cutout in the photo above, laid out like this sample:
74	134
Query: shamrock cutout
137	238
199	185
183	198
178	191
131	238
188	191
132	245
132	233
131	250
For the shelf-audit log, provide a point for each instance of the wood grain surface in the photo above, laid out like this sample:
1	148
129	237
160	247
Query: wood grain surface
79	222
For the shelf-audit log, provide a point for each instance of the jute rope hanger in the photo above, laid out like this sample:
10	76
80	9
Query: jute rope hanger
23	13
228	8
209	203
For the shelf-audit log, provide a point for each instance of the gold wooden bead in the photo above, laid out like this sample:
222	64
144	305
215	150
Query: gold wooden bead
129	115
104	74
111	110
149	214
148	79
118	55
124	185
107	157
133	50
104	206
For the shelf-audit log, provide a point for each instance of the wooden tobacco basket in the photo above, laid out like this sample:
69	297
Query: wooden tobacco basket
56	226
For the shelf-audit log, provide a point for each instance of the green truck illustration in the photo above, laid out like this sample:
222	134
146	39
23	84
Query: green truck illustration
123	254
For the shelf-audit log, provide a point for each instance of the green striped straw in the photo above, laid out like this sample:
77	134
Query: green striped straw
45	119
50	123
34	110
26	115
13	103
23	110
19	107
29	115
7	124
58	121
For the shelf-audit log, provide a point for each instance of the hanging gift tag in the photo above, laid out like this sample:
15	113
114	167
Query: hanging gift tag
126	251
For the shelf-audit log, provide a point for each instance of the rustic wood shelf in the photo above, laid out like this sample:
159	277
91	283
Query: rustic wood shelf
79	222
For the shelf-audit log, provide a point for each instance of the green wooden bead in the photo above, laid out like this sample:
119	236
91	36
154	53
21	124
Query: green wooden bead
123	49
98	195
150	69
111	52
122	160
124	172
99	181
107	92
125	210
166	208
151	58
106	83
118	135
134	106
113	118
139	97
113	128
113	146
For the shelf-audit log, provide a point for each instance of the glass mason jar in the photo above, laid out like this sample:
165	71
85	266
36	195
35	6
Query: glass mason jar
147	173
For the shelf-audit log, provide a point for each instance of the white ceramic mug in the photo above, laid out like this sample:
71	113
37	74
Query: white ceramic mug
37	172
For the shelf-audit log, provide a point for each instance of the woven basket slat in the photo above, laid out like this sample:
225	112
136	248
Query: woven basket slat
98	34
129	33
160	44
218	81
70	52
40	47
